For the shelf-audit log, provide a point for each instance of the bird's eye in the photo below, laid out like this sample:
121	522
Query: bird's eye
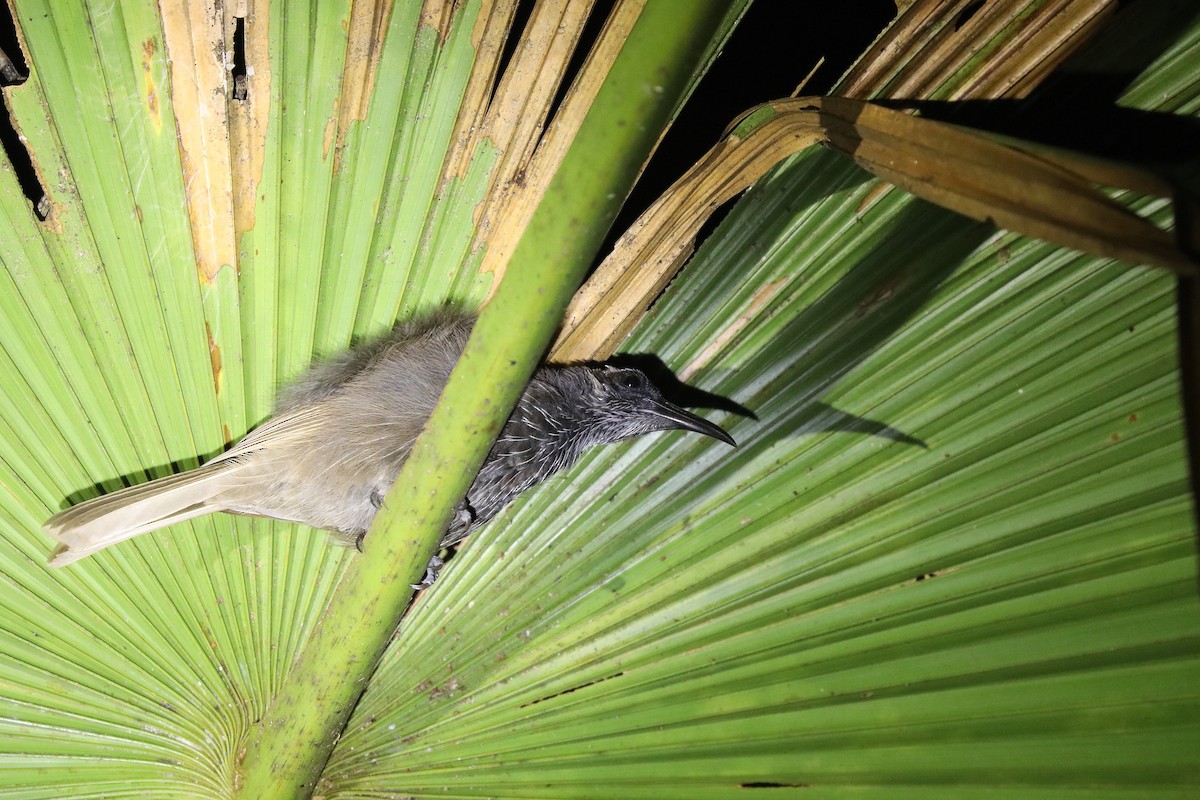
632	380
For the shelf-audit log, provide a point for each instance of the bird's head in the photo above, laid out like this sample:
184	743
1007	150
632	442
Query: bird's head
627	404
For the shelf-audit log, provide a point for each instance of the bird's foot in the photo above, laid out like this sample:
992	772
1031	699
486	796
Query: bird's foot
460	524
463	518
431	573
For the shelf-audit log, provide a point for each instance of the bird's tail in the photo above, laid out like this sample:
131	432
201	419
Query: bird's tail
102	521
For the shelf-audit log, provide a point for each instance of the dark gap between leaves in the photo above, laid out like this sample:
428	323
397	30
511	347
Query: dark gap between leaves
240	90
572	689
519	21
13	67
587	40
14	70
965	15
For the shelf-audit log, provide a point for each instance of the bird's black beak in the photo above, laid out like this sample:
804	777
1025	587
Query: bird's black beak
675	418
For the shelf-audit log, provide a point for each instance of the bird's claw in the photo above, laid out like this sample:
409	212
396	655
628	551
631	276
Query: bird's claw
463	518
377	499
431	573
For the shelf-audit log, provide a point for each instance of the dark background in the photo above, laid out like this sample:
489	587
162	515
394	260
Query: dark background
769	53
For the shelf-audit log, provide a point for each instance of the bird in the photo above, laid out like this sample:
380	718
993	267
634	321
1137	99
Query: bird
341	433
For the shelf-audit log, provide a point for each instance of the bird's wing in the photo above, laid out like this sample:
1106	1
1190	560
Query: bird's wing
293	426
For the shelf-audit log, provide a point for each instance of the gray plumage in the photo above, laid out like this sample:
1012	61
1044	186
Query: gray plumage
342	432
